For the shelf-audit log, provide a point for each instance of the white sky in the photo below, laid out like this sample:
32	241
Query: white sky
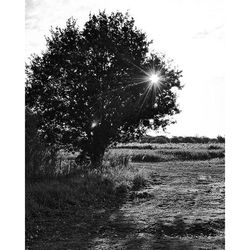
191	32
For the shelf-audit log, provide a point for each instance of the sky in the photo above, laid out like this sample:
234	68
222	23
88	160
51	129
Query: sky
191	32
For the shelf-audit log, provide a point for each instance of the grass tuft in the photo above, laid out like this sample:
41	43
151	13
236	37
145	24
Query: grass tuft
139	182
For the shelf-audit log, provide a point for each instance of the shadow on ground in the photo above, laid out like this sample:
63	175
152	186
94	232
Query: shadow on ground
110	228
122	233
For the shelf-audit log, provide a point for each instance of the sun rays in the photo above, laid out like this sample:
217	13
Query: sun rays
150	78
153	80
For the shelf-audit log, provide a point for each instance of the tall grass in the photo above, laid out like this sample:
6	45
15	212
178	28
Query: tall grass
106	188
179	153
103	187
185	155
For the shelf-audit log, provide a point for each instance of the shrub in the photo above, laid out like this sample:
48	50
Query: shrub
139	181
40	159
160	139
220	139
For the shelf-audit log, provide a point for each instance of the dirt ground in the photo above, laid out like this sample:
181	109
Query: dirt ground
182	207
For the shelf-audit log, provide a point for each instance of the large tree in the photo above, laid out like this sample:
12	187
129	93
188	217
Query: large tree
99	85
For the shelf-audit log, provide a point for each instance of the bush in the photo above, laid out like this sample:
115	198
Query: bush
160	139
40	159
221	139
154	139
139	181
43	161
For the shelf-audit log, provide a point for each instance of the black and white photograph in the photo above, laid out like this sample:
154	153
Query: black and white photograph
124	124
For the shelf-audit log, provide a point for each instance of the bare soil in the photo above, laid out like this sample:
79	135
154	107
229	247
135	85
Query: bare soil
182	207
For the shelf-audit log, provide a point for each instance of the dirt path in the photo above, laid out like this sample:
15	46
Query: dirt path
181	208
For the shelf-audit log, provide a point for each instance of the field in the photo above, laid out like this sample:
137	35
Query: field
150	196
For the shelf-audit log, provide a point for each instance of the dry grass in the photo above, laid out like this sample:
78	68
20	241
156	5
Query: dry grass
169	152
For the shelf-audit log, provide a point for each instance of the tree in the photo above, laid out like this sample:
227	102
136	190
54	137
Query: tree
220	139
92	88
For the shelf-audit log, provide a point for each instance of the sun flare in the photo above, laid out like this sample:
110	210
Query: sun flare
154	78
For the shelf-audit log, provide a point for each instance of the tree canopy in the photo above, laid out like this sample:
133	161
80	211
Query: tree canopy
91	87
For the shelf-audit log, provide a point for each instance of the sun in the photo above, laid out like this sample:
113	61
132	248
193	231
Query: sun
154	78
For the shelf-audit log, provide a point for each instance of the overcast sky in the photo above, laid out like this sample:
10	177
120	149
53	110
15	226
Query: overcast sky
191	32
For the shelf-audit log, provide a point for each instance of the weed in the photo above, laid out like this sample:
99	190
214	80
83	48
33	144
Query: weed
139	181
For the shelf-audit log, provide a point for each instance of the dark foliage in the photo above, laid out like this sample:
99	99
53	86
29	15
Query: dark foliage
91	89
221	139
40	158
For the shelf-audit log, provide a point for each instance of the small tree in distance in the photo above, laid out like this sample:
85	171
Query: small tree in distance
92	87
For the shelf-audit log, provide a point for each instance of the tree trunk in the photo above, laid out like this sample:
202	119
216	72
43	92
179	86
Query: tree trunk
97	158
93	149
95	154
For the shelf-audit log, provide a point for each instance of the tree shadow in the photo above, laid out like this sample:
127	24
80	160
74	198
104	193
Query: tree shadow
124	234
110	228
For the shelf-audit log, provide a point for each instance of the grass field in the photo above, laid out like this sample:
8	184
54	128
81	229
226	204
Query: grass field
158	196
169	152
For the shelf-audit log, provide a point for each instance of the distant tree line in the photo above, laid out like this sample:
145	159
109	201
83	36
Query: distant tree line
181	139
